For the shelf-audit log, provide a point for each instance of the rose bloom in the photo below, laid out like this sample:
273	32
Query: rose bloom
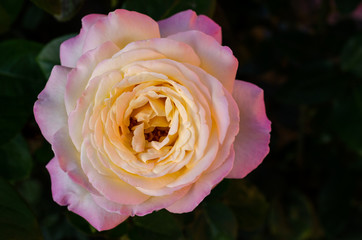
145	115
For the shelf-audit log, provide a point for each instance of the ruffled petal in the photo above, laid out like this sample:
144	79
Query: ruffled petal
188	20
121	27
252	142
68	159
202	187
71	50
171	49
80	76
219	62
67	193
49	109
147	207
109	186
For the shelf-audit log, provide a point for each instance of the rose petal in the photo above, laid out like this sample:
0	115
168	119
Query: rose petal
220	101
188	20
71	50
68	158
220	62
251	144
67	193
79	77
148	206
171	49
77	117
202	187
110	186
121	27
49	109
231	134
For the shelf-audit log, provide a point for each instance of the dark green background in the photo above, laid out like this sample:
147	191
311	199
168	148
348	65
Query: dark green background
306	56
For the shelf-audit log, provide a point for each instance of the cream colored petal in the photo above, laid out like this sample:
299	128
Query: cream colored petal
138	140
79	77
220	62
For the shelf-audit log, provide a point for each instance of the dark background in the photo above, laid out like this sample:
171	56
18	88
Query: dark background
305	54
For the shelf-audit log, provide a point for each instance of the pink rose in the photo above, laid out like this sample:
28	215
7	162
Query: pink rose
146	115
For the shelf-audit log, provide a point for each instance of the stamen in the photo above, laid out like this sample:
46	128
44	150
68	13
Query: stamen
156	134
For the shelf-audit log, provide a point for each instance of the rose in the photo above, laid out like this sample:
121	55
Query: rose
144	115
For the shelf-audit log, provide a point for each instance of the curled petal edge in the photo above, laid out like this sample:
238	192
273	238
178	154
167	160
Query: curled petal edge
252	142
66	193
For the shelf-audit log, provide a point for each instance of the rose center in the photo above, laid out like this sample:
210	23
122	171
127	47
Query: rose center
156	134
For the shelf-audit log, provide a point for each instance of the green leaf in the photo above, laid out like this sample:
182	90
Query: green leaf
49	55
222	221
43	154
199	228
160	9
292	217
21	81
346	117
346	6
31	190
161	222
61	9
17	222
16	162
248	204
52	7
117	232
351	56
9	10
32	18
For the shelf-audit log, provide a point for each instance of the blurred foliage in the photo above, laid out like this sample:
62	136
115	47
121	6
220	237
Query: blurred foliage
160	9
305	54
49	55
61	9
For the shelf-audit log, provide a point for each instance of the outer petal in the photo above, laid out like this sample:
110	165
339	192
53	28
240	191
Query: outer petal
49	109
171	49
251	144
188	20
67	193
71	50
68	159
147	207
202	187
220	62
121	27
110	186
80	76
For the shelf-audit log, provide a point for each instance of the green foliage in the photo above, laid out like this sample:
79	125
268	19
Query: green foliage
9	10
347	115
21	81
248	204
161	224
49	55
17	222
61	9
16	159
160	9
222	221
294	221
351	56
